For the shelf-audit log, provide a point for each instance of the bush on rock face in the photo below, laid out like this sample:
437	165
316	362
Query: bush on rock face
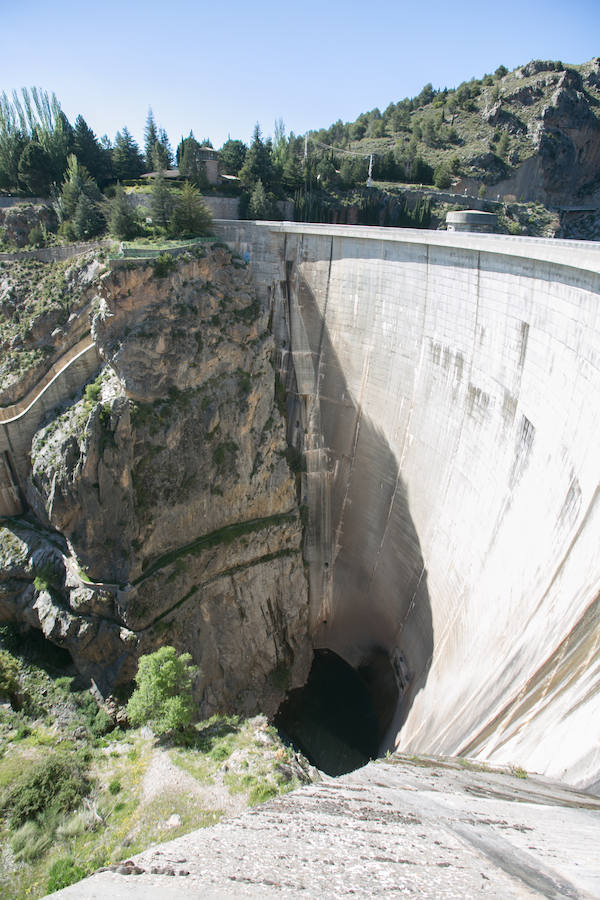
163	697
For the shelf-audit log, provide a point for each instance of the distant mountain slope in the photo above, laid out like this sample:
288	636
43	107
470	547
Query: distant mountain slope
533	133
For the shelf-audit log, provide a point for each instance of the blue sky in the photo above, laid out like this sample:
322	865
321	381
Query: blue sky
217	68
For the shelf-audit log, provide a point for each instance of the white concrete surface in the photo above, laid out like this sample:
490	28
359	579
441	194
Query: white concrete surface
400	828
448	397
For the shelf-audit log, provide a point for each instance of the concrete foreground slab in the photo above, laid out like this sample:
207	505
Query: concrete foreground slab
427	828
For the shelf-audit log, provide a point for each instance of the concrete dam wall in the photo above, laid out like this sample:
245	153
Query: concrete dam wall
445	390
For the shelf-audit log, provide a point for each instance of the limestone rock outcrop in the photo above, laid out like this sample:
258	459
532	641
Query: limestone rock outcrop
569	140
168	484
17	221
44	311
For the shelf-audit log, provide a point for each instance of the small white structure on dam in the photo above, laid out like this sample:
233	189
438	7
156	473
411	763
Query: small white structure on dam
445	389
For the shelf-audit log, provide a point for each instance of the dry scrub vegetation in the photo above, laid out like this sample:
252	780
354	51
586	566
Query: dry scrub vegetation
78	792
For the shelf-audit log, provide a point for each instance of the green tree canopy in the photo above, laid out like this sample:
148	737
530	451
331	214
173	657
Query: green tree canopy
90	153
36	116
163	696
257	165
162	155
127	160
191	162
161	202
88	220
232	155
122	221
190	216
150	139
36	171
77	181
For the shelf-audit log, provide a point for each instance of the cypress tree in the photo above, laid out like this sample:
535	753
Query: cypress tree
150	139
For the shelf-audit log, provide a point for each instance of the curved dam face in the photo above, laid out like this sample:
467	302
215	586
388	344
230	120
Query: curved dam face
445	390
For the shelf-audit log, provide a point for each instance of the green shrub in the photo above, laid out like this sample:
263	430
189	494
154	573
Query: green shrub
92	392
35	236
55	783
260	793
30	841
9	676
45	578
115	786
63	873
102	723
441	177
163	696
163	264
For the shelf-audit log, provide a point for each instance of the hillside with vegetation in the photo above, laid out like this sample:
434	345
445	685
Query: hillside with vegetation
81	789
527	138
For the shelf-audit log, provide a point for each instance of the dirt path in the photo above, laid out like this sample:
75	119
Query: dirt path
163	776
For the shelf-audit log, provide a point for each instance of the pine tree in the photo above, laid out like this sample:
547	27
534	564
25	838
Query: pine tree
161	202
258	208
77	181
257	165
190	216
122	222
127	160
191	162
90	152
35	169
232	155
88	220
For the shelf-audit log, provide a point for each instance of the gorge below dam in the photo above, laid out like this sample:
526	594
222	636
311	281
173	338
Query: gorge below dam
434	526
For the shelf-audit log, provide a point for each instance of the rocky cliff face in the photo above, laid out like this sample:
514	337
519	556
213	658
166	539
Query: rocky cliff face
44	311
16	222
569	139
552	116
168	485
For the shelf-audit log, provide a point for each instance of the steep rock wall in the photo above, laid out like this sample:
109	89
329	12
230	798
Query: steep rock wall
166	485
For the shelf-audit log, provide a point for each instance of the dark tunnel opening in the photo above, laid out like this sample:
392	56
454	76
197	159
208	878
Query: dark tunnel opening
338	719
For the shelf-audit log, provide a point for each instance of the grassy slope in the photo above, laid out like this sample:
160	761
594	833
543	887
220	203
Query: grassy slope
233	763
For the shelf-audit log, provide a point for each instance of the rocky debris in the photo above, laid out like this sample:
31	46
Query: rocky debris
501	117
569	141
491	167
593	77
17	221
33	592
583	226
526	95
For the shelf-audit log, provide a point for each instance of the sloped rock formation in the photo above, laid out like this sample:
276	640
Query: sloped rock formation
169	483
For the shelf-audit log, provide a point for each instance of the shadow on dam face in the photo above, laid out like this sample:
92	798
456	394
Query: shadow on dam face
372	625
